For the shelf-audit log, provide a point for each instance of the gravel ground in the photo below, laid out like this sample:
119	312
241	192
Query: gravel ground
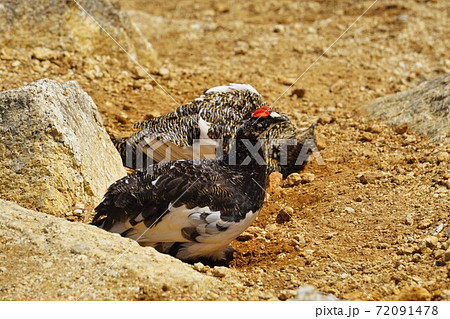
373	222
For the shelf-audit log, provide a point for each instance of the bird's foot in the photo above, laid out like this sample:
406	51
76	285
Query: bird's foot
228	254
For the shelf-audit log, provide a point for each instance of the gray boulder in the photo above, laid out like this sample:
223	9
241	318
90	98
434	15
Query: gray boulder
309	293
54	152
425	108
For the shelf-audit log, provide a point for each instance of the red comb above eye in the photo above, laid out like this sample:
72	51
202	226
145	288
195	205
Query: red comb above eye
262	112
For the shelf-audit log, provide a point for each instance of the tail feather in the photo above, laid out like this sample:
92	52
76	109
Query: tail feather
121	147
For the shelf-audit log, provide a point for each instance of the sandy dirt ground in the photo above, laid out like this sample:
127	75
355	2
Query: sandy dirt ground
373	222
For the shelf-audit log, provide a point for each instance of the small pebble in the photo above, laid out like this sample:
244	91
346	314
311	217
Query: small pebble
425	223
402	17
431	241
320	142
416	258
275	179
199	267
445	294
330	236
409	219
286	81
164	71
349	210
165	287
80	205
284	215
299	93
447	255
370	177
138	72
442	156
137	84
196	26
219	271
281	256
293	180
147	87
366	137
307	177
122	118
438	253
309	293
437	230
374	128
244	237
401	129
414	293
241	48
289	210
222	7
287	294
405	250
325	119
279	28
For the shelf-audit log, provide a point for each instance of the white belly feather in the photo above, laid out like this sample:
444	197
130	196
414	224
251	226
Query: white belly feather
210	240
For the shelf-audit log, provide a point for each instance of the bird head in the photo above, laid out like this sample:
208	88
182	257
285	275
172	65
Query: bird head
251	133
262	120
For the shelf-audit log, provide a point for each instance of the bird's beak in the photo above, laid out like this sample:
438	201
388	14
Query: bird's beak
279	117
274	114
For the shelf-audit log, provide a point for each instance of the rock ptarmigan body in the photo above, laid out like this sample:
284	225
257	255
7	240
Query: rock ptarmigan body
193	209
214	118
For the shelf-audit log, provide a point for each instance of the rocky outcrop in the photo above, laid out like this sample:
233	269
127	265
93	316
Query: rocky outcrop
69	261
48	258
54	152
425	108
53	30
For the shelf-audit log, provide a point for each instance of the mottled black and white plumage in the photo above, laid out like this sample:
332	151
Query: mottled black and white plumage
215	116
193	209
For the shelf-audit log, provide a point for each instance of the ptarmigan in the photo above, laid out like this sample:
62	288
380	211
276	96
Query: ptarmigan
193	209
214	117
